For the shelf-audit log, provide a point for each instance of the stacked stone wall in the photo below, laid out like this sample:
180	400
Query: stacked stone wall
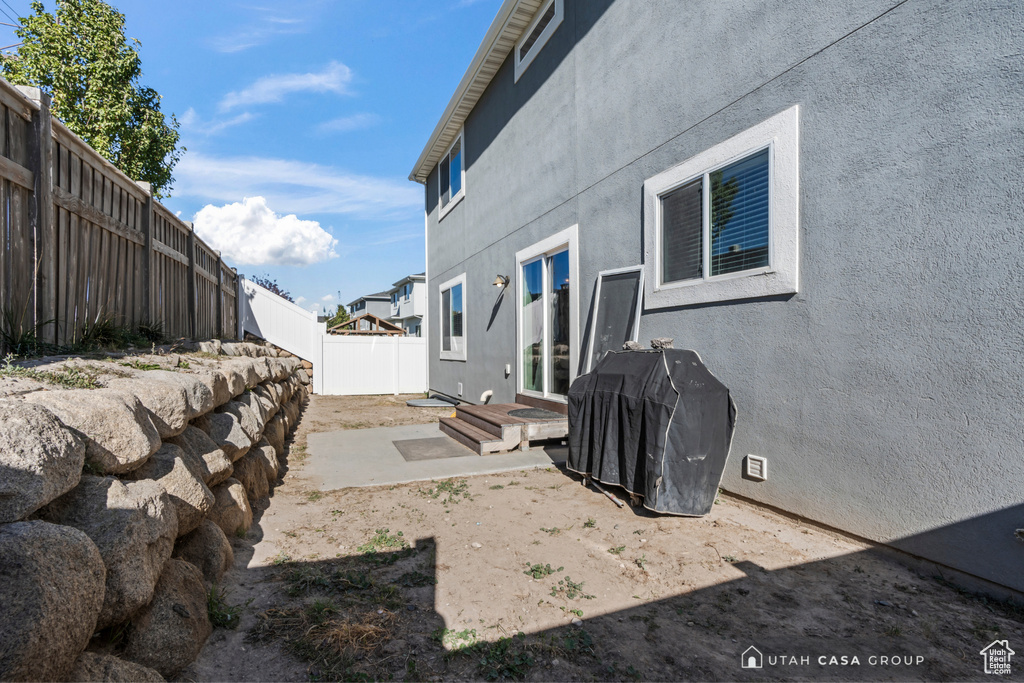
116	503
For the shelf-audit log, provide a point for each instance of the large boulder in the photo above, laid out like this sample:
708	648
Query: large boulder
274	434
252	402
180	473
199	396
250	473
168	633
266	455
214	465
40	459
133	524
234	378
94	667
226	431
268	402
262	367
278	369
51	592
231	511
118	430
217	383
208	549
250	424
166	401
245	367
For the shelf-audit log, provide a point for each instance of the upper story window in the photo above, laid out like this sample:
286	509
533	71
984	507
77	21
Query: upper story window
548	17
724	224
451	177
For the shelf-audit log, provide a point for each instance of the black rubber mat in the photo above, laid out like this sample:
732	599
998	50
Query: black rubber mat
431	449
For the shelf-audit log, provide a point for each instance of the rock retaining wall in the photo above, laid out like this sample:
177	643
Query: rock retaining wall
116	503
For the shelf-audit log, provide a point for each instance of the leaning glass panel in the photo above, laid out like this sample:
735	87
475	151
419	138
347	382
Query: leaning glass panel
682	251
739	215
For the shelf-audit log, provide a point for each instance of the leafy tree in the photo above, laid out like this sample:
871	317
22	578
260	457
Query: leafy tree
79	56
266	282
341	316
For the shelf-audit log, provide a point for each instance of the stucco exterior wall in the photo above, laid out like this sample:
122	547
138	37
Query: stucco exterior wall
886	394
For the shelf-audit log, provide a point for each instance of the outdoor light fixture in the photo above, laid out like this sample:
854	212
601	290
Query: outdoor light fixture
501	281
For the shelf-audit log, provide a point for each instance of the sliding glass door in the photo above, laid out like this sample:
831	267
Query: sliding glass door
544	324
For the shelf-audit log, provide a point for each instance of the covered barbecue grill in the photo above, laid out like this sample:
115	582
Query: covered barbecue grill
656	423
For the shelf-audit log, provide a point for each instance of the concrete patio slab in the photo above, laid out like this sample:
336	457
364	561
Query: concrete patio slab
367	457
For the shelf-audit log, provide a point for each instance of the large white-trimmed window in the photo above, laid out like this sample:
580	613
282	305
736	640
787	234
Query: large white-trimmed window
544	23
725	223
453	318
451	177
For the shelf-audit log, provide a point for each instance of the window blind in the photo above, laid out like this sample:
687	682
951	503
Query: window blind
682	252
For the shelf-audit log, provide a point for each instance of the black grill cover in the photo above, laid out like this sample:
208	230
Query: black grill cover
656	423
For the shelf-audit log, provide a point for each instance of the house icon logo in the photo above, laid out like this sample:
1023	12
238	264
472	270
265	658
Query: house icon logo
997	657
752	658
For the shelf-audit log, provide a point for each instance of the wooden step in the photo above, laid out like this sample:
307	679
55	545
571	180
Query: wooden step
485	419
480	442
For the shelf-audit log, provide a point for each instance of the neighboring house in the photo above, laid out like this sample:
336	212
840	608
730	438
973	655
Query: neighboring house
825	199
409	304
376	304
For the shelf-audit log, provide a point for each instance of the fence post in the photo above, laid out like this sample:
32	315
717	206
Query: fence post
44	233
239	293
220	298
147	253
191	303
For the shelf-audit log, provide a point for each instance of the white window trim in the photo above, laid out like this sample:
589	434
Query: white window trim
460	353
521	66
570	238
635	332
461	194
780	135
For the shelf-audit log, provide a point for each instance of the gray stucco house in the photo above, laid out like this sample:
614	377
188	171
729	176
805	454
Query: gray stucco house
825	200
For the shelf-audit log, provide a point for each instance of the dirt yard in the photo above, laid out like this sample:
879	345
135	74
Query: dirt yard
529	575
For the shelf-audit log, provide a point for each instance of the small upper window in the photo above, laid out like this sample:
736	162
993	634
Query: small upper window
451	176
547	19
723	216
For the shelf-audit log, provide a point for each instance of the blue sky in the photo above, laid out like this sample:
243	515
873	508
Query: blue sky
319	107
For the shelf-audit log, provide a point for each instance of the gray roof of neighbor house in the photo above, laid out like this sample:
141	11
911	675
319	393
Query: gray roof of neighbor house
379	296
417	277
514	16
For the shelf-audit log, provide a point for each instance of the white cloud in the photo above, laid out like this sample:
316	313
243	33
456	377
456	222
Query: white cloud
294	186
266	26
334	78
250	233
299	300
192	122
348	123
327	298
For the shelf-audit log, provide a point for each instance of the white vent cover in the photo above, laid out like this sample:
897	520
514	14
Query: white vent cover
756	467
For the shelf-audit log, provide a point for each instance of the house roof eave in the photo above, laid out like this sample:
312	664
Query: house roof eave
513	17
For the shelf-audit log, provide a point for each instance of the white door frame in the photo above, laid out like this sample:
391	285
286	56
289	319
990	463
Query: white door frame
566	238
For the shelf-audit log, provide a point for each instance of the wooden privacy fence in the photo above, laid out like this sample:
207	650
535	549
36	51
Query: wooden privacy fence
80	242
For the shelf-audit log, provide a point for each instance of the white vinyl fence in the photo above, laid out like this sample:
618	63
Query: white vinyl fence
342	365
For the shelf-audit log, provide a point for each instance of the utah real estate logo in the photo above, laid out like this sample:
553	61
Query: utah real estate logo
997	657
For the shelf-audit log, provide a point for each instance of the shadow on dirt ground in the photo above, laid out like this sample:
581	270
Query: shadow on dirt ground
529	576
